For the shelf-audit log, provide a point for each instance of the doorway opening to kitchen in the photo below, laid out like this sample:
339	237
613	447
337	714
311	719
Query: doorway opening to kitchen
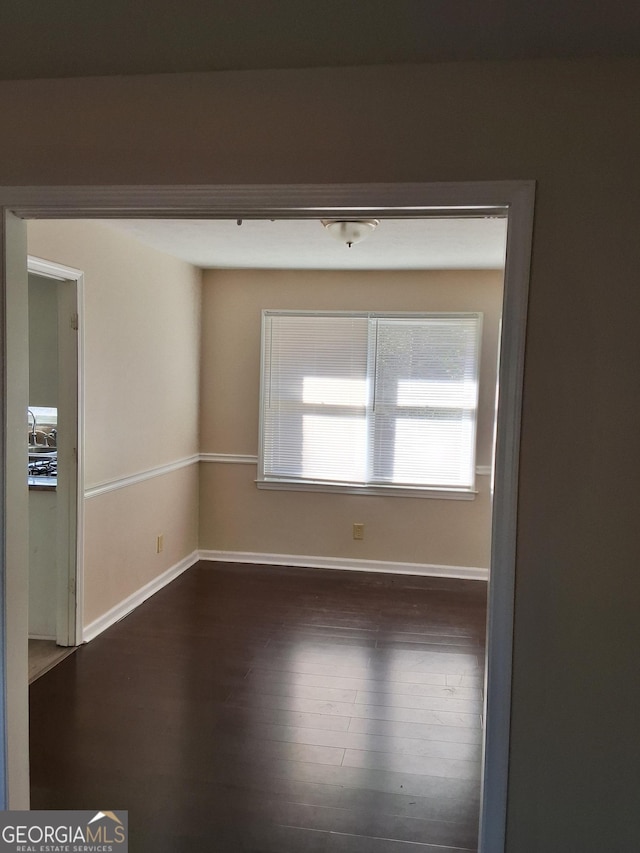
53	471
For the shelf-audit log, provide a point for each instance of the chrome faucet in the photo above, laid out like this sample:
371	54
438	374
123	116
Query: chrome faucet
34	439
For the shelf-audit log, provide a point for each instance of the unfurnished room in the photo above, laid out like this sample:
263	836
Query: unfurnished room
287	455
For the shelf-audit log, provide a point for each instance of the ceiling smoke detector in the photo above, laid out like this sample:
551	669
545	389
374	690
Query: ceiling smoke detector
350	231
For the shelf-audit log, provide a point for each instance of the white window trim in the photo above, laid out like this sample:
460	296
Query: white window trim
380	491
373	489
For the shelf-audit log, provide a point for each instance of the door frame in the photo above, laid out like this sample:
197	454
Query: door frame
516	198
70	521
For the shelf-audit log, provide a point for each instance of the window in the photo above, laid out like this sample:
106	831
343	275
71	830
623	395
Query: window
368	402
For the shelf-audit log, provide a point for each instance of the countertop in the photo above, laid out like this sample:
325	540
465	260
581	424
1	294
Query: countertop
42	484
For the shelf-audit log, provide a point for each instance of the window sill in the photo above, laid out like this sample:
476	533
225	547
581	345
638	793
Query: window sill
379	491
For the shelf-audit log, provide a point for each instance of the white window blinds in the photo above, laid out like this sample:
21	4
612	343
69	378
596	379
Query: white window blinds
369	400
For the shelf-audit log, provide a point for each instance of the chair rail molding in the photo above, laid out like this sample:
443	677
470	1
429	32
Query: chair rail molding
139	477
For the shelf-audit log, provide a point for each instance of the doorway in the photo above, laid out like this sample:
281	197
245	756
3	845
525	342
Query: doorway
54	471
336	202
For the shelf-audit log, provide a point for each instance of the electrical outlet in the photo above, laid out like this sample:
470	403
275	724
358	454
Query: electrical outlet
160	543
358	531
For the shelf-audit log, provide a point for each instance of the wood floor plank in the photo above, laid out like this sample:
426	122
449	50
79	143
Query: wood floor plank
427	703
358	822
438	689
345	709
368	742
462	811
437	659
316	666
341	843
465	680
401	729
320	642
414	764
288	687
388	781
248	709
279	717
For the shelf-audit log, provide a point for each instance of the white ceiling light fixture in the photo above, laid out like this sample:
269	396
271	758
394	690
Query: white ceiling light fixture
350	231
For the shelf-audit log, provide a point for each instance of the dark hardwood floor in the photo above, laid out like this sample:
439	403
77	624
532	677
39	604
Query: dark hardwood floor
275	709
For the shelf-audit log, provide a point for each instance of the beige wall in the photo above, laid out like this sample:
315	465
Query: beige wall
43	342
141	332
573	127
120	536
141	378
236	516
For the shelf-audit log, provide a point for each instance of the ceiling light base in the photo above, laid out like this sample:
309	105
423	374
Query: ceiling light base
350	231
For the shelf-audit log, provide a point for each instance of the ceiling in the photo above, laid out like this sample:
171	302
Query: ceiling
75	38
472	243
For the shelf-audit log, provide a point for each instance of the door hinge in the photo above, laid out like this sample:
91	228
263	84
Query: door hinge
74	322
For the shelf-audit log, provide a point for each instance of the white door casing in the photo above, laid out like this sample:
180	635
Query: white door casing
516	198
70	508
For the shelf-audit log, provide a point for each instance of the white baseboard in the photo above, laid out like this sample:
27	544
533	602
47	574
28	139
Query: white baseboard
130	603
424	569
135	599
